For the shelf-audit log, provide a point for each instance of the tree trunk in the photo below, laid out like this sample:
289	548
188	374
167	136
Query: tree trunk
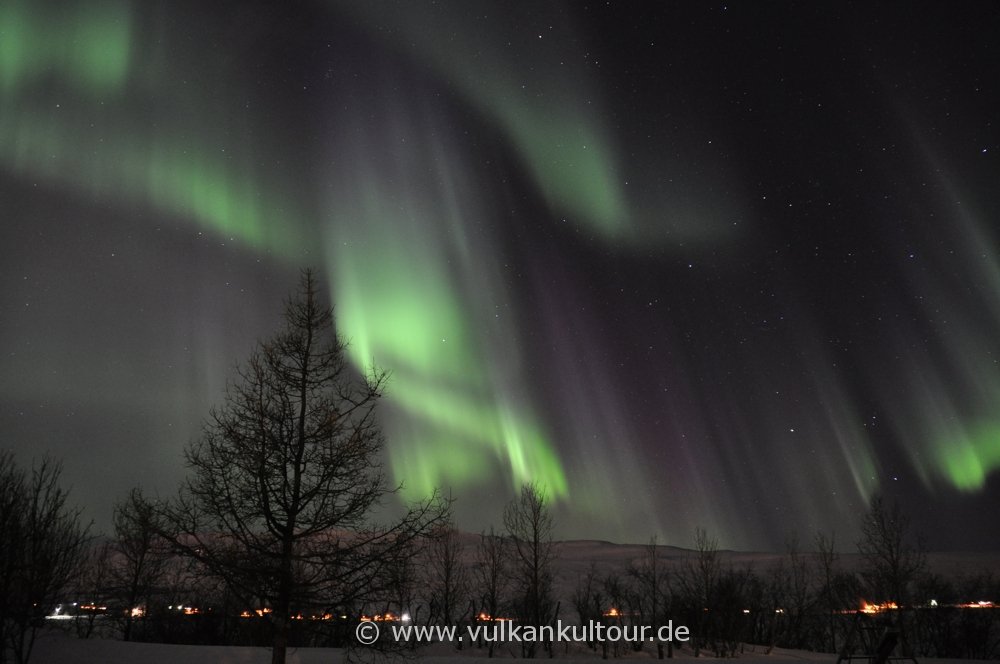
282	607
279	646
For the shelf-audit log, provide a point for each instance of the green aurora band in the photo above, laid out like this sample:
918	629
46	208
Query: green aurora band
553	114
71	88
967	461
86	44
391	314
414	283
411	285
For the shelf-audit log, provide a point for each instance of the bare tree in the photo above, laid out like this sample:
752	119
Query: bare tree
93	587
141	557
398	585
796	594
43	546
529	526
11	527
892	561
588	600
826	556
449	578
616	590
700	584
491	576
650	576
775	595
287	472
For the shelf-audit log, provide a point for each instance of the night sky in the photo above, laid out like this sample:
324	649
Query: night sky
684	265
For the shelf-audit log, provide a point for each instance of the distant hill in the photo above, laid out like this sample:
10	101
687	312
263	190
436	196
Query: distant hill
575	557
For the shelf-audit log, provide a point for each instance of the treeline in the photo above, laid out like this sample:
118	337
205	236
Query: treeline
136	584
804	600
41	546
271	540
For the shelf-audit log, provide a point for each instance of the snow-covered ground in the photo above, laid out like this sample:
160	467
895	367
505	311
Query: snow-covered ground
574	558
61	648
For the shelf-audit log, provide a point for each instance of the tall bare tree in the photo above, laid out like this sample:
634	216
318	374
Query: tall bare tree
699	583
399	583
588	599
141	557
826	556
892	559
287	473
650	576
449	577
92	587
43	546
529	525
492	576
616	591
797	598
11	527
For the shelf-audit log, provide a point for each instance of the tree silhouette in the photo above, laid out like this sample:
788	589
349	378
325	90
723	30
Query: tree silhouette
529	526
140	562
42	546
491	573
286	474
892	561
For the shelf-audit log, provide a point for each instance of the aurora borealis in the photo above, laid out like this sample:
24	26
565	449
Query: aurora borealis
705	265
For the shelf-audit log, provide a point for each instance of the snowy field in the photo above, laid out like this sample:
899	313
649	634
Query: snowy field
60	648
574	558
